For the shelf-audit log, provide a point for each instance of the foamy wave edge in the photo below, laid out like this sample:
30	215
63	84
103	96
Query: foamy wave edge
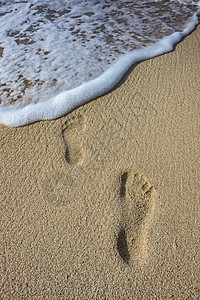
65	102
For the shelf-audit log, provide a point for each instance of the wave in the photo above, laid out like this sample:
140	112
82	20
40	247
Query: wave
46	76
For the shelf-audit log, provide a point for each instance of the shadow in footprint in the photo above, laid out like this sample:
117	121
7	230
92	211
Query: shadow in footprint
123	184
137	201
122	246
72	139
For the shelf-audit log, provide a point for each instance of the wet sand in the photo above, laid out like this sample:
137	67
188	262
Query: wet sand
103	203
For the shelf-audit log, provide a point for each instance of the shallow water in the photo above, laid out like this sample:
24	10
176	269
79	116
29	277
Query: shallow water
51	50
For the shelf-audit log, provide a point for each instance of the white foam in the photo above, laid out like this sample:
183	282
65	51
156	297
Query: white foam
58	101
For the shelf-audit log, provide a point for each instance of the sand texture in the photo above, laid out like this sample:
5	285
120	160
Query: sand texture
104	203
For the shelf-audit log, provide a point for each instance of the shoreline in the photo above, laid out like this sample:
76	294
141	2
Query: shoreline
66	101
75	224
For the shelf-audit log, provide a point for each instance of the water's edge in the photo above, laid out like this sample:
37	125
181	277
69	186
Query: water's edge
65	102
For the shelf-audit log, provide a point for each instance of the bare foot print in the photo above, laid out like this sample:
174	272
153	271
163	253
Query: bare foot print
55	187
72	139
56	184
137	202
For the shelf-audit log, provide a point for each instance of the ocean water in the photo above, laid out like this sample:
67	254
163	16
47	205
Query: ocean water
58	54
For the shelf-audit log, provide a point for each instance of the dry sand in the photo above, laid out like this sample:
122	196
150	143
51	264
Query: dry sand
103	203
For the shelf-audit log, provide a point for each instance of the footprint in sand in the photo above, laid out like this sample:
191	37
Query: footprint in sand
72	139
137	203
57	186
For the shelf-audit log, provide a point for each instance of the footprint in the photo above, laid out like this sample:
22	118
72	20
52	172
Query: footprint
55	189
72	139
137	203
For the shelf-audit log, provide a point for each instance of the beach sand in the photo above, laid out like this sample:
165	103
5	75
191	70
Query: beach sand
103	203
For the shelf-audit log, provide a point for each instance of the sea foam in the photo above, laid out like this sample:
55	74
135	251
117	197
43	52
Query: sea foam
57	55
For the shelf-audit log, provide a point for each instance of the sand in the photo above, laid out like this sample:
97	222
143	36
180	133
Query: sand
103	203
